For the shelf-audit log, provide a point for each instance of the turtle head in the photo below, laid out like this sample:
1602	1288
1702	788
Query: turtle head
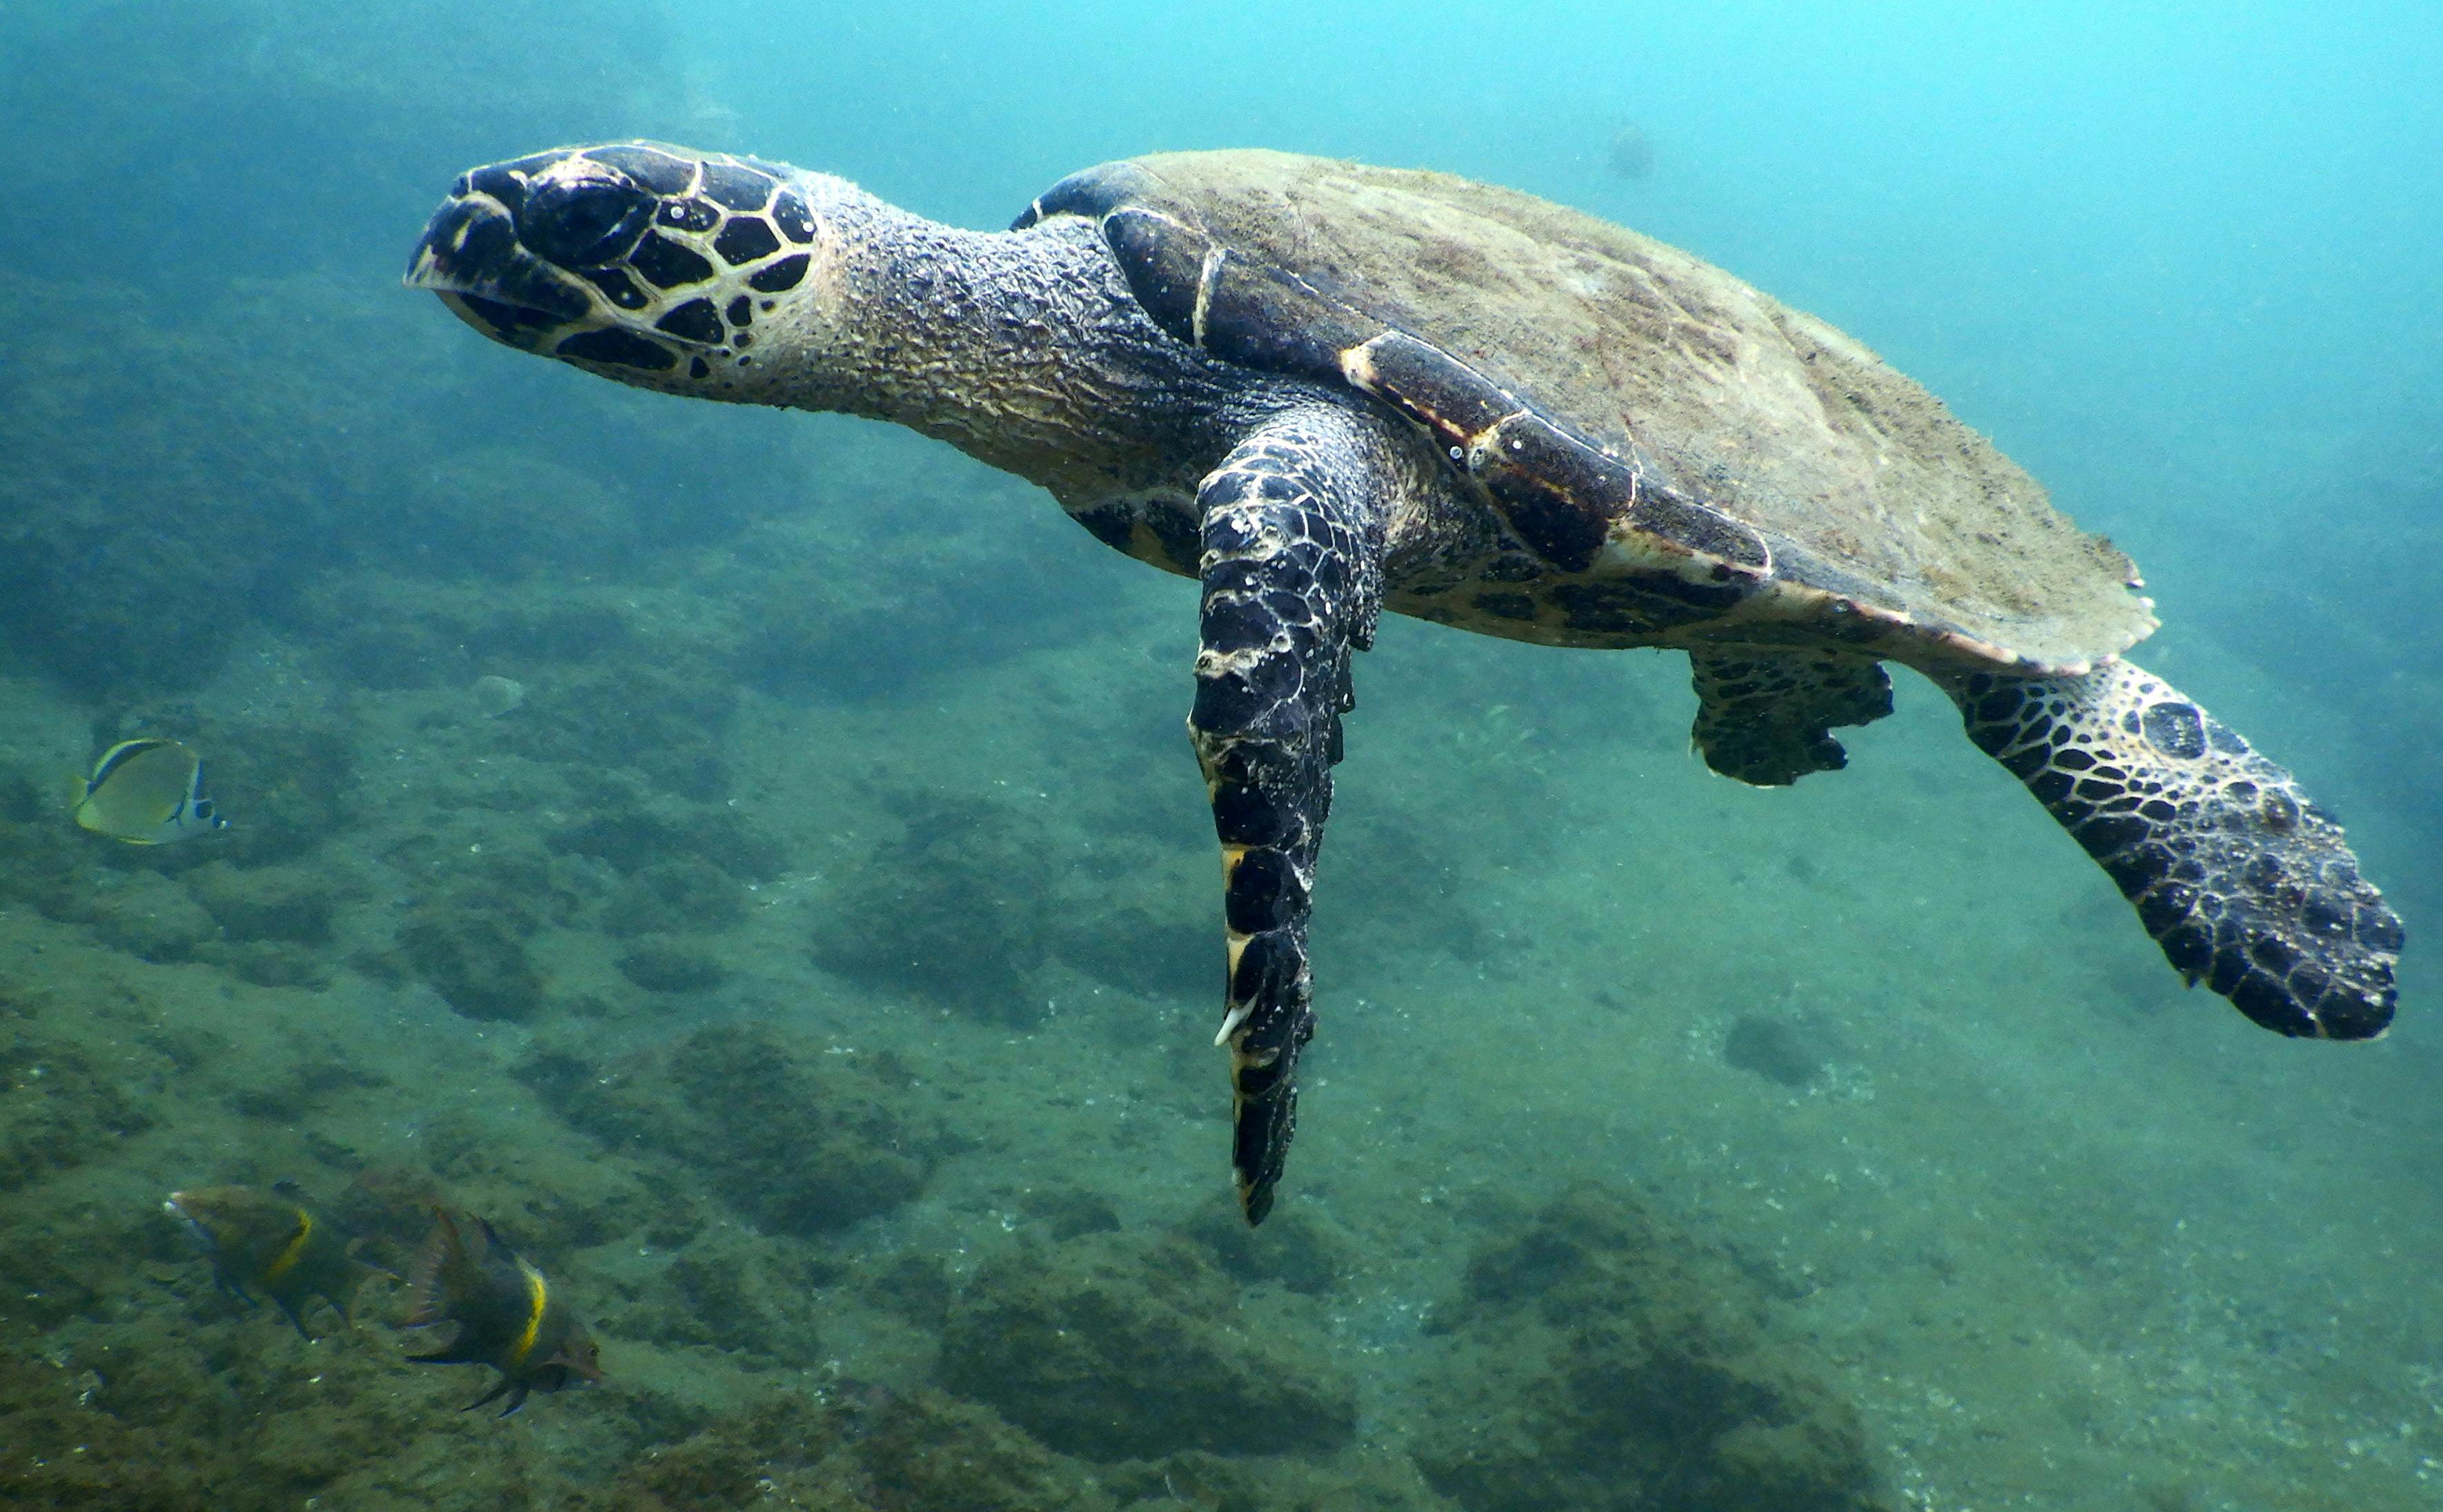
649	263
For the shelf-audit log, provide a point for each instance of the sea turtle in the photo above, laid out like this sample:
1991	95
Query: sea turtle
1326	390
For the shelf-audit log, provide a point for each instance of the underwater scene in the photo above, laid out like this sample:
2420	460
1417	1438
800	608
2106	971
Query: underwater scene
563	946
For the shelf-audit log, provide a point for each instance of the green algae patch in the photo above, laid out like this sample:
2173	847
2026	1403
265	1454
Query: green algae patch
742	1297
666	965
1112	1348
1294	1248
930	1452
855	1448
950	912
276	922
688	894
795	1141
148	916
58	1108
630	831
1217	1482
1797	1052
980	906
1603	1360
474	957
666	722
288	903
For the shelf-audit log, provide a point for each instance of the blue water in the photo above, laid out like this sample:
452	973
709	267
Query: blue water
844	837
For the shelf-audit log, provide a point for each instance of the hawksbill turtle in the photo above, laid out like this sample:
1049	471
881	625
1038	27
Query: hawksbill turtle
1326	390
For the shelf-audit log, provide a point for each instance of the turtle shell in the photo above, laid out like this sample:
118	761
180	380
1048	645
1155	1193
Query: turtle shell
1612	391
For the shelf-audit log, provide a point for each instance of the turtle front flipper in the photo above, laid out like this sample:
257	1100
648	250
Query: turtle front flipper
1294	527
2246	884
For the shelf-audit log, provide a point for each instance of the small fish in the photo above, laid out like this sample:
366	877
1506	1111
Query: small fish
262	1241
148	793
504	1313
1631	153
495	696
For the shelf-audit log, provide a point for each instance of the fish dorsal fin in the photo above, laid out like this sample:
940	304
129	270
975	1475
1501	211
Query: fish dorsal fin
442	1256
117	756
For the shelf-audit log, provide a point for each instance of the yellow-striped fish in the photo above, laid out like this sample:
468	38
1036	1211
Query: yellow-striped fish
500	1311
262	1242
148	793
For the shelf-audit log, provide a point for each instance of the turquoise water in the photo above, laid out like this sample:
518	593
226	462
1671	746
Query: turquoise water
811	975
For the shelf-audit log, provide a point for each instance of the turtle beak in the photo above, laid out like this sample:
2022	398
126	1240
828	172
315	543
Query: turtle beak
471	256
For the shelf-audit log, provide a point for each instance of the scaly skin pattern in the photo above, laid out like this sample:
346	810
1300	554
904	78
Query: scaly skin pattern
2244	882
1767	719
1292	567
1234	415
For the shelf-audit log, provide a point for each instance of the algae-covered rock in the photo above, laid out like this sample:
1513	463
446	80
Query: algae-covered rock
1603	1360
21	801
737	1461
953	912
665	722
981	604
288	786
632	832
276	922
929	1452
1794	1050
1066	1211
666	965
1295	1249
474	957
285	1091
1110	1347
915	1286
972	901
687	894
722	1301
266	964
289	904
147	915
795	1140
1215	1483
736	1293
58	1109
857	1449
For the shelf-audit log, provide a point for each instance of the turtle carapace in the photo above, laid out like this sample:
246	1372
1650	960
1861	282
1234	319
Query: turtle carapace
1326	390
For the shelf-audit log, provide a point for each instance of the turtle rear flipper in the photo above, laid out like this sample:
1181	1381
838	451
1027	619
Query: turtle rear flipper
2246	884
1768	719
1294	527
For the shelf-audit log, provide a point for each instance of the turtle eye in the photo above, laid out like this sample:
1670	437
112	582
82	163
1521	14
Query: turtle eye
585	222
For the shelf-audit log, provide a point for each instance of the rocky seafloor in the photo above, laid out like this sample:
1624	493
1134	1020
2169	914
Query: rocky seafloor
848	1080
811	972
